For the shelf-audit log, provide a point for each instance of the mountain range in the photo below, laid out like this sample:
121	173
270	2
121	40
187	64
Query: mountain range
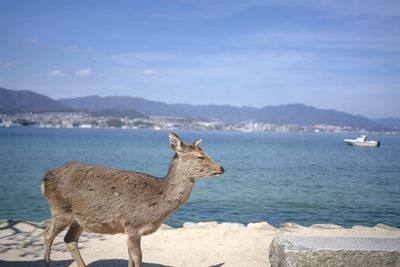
299	114
27	101
12	101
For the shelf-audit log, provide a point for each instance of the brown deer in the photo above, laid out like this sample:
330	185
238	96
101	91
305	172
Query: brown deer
109	201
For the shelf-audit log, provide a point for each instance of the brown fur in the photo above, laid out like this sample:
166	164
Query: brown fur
109	201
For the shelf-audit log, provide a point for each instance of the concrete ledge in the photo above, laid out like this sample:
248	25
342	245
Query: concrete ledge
311	251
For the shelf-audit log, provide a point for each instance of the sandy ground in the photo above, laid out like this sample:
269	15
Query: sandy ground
200	244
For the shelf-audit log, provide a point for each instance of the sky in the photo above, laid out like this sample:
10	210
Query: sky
337	54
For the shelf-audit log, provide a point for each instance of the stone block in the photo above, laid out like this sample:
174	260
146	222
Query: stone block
290	251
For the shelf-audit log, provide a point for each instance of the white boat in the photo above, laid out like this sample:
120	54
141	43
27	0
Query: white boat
362	140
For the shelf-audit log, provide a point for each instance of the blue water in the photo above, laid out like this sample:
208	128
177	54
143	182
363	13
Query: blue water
276	177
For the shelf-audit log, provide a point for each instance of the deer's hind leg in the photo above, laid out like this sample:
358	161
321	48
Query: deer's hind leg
56	226
71	239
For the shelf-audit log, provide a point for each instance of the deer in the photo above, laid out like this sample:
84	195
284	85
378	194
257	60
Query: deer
104	200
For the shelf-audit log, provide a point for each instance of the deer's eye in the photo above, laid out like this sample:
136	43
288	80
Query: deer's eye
201	157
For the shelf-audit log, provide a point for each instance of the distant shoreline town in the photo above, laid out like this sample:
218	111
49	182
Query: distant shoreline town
87	120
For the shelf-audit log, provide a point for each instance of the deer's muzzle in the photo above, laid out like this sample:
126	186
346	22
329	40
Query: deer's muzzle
219	172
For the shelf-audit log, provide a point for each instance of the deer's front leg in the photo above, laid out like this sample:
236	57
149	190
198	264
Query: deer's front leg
134	249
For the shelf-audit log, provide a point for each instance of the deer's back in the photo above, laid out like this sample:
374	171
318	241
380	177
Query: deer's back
102	199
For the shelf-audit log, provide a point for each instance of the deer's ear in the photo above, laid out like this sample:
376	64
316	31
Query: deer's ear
197	142
176	142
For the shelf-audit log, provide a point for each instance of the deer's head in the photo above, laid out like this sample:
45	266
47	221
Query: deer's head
193	158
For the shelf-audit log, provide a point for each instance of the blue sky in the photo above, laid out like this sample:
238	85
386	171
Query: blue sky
343	55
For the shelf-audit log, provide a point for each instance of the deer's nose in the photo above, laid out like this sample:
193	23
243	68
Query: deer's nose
222	169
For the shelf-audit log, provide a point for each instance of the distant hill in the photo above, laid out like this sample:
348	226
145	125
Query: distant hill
285	114
155	108
129	113
27	101
307	115
96	103
389	122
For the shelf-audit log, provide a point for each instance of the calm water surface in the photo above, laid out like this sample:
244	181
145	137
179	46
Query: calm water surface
275	177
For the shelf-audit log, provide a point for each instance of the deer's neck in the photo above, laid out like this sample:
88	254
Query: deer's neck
178	183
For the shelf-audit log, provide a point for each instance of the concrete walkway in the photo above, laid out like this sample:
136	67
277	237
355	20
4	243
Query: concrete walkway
334	251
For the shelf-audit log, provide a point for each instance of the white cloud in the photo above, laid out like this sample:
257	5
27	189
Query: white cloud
33	40
84	72
148	72
383	8
317	40
56	73
137	59
79	49
6	64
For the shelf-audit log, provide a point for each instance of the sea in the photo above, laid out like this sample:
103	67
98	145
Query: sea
304	178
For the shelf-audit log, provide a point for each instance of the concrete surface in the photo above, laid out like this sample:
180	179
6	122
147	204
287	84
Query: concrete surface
311	251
